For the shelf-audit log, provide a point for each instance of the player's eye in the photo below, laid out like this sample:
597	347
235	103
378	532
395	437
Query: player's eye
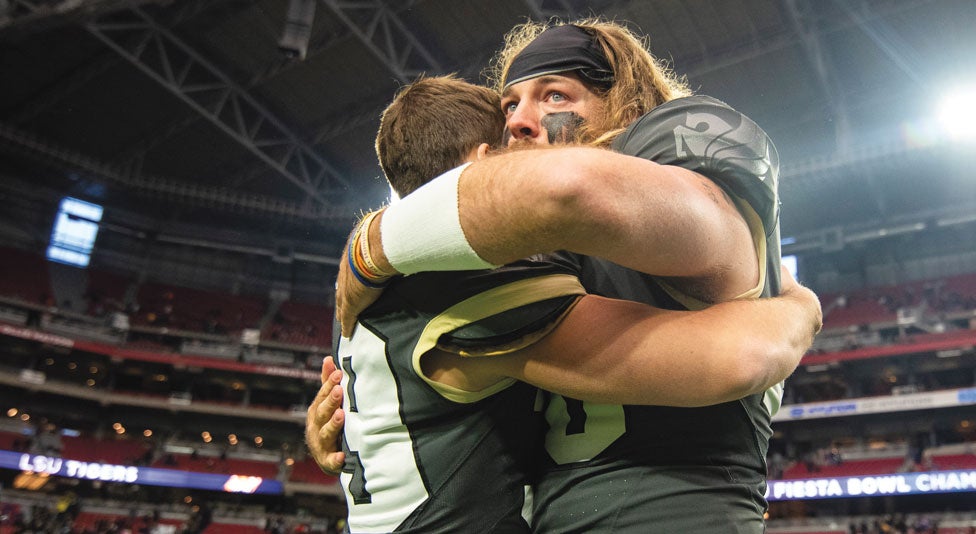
557	97
509	107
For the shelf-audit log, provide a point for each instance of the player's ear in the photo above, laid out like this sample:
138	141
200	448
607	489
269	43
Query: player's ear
483	150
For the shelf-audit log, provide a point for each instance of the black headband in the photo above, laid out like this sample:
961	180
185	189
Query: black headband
560	49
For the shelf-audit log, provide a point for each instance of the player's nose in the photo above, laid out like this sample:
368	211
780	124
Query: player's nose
523	124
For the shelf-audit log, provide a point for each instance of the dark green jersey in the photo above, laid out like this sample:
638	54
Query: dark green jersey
425	457
660	469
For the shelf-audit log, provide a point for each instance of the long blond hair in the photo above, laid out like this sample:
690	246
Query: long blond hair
641	81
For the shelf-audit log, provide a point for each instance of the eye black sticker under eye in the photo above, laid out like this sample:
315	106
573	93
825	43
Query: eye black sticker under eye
561	127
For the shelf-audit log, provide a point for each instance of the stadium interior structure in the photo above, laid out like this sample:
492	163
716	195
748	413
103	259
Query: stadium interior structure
221	150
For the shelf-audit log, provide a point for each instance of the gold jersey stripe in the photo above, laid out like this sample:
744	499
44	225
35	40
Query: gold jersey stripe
758	231
484	305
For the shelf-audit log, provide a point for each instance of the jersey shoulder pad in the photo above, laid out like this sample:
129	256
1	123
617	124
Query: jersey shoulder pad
509	330
709	137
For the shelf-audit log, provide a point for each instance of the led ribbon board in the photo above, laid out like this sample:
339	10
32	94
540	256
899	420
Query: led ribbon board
872	486
886	404
127	474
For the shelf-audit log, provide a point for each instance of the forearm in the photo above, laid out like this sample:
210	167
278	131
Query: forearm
658	219
529	202
768	337
613	352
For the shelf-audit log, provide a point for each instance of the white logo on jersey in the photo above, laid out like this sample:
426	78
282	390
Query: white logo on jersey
706	136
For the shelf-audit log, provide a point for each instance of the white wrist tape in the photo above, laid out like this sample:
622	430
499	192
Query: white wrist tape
422	232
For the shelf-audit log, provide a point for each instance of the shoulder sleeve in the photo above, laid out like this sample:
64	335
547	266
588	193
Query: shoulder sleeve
707	136
513	313
479	313
513	328
496	321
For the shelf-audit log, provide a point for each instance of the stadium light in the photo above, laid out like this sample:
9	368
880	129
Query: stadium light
957	113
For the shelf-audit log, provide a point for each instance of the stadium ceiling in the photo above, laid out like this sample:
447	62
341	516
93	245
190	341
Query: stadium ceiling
208	112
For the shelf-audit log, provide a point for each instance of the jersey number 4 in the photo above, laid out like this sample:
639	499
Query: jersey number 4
381	478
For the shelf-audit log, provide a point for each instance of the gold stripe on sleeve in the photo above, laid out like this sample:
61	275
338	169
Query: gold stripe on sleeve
759	240
484	305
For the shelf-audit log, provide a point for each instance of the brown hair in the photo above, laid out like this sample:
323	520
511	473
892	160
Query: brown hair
641	81
432	126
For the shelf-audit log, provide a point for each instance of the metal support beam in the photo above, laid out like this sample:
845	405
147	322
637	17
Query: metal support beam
15	140
64	87
382	32
811	171
283	64
890	43
766	44
338	125
201	85
138	149
810	40
23	15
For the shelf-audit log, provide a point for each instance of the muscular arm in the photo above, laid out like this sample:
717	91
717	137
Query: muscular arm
657	219
620	352
613	351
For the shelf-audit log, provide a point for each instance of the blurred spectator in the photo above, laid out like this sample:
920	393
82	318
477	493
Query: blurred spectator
200	518
776	465
275	525
46	441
